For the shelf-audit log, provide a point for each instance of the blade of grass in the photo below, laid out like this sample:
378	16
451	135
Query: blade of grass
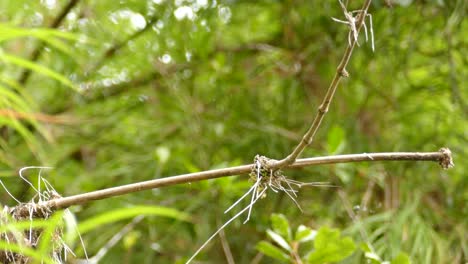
38	68
127	213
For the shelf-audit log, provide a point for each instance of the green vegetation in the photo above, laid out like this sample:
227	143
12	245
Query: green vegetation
116	92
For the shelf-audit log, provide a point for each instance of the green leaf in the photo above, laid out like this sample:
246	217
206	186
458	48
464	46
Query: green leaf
279	240
402	258
303	234
281	226
126	213
329	247
336	140
370	255
272	251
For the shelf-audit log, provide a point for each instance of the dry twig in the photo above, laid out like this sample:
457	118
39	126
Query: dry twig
443	157
323	108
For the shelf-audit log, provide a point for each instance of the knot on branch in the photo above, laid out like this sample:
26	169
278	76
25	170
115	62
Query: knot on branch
446	161
263	173
344	73
29	211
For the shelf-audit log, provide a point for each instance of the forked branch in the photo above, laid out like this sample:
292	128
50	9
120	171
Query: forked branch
443	156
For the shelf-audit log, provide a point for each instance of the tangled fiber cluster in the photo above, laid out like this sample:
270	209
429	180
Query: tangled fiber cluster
19	240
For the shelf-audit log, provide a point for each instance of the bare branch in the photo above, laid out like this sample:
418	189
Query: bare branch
323	108
443	157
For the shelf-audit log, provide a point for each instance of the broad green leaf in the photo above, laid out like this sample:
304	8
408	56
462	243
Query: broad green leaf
330	247
126	213
281	226
401	258
279	240
272	251
303	234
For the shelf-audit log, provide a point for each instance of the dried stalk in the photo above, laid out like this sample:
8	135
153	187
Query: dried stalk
323	108
443	157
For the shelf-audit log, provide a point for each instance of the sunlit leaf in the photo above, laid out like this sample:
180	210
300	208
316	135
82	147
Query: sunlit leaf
278	239
280	225
272	251
304	233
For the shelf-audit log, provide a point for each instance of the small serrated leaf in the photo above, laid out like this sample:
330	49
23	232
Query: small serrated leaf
281	226
272	251
279	240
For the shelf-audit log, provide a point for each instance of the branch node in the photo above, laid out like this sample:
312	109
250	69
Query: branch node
323	109
264	170
446	161
344	73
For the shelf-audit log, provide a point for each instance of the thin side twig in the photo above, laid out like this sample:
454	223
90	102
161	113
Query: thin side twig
323	108
226	248
443	157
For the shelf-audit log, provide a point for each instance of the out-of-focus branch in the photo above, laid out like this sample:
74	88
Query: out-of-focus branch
109	53
443	156
98	93
38	50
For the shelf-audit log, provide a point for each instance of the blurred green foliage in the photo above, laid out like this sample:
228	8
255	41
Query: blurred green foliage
126	91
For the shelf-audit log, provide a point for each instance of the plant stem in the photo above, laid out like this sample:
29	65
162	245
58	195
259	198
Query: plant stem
443	157
323	108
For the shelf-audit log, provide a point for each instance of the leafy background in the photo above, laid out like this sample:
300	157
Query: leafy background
126	91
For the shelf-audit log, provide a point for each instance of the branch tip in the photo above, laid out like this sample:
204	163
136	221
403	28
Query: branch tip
446	161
